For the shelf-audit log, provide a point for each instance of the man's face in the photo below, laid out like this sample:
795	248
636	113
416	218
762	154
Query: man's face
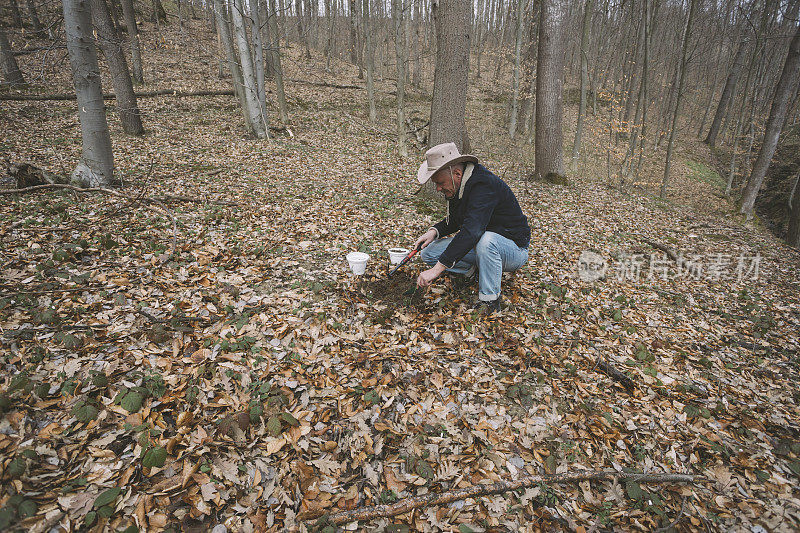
445	182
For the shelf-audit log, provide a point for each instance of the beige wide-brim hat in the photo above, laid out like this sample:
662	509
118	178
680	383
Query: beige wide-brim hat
439	157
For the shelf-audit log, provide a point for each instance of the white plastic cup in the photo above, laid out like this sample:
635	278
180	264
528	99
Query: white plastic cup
397	254
358	262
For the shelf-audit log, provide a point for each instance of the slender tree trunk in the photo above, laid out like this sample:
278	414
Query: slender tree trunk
159	14
681	77
111	45
738	128
133	41
793	233
258	57
96	166
730	88
258	119
11	72
400	56
448	108
16	16
512	126
549	145
275	59
37	26
367	24
787	85
224	32
587	24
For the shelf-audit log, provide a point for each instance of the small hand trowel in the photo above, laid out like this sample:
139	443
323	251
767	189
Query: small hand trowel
406	259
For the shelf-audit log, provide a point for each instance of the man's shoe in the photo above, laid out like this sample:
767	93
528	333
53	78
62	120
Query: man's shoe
489	307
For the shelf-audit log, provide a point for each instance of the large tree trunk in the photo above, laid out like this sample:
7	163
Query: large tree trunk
275	58
512	125
587	24
727	92
258	120
133	41
111	45
400	55
370	60
681	79
11	72
784	91
448	108
96	167
549	149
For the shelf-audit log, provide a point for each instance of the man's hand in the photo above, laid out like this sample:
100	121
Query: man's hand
427	238
426	277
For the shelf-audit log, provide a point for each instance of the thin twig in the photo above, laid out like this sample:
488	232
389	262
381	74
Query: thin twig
499	487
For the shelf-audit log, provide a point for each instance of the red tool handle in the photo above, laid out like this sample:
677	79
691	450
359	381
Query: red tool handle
405	260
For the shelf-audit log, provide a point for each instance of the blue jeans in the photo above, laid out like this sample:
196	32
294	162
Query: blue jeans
493	255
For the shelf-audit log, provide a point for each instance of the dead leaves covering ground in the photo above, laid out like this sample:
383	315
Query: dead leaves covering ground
250	383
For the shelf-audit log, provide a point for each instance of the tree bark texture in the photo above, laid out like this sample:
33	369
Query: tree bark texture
727	92
784	91
515	79
133	41
549	149
275	58
584	52
96	166
451	74
257	120
400	56
224	32
111	45
11	72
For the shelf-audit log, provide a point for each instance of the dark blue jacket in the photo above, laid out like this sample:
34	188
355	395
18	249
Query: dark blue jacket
488	204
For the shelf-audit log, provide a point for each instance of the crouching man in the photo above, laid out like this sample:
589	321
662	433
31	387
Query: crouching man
491	232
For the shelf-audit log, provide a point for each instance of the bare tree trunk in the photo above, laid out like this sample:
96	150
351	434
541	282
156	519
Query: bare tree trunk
587	24
787	85
258	120
416	78
111	45
133	40
224	32
159	14
96	166
37	26
11	72
730	88
512	126
370	60
448	108
16	16
549	145
793	233
739	120
258	56
400	55
681	77
275	58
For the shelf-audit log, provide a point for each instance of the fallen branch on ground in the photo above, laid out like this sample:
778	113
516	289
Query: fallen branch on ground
499	487
109	96
615	374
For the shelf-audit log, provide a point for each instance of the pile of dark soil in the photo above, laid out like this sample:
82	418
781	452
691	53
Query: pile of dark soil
399	289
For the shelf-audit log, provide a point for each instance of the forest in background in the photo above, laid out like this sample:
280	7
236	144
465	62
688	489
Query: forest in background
184	348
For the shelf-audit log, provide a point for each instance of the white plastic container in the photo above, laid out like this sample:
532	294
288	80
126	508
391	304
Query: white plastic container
397	254
358	262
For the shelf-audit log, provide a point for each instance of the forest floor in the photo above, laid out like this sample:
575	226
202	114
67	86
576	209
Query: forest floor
245	378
